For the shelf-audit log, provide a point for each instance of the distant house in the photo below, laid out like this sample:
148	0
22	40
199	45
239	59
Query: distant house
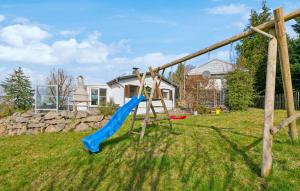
207	83
121	89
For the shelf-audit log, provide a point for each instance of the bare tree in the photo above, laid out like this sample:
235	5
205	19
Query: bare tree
65	86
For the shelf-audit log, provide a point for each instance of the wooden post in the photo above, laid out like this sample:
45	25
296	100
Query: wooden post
136	108
148	109
285	69
269	108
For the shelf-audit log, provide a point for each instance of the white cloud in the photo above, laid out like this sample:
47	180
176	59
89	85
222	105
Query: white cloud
35	53
68	33
2	18
155	59
21	20
22	35
90	50
289	29
35	76
25	44
122	66
230	9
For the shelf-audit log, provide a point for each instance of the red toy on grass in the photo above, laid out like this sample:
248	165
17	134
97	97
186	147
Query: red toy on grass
174	117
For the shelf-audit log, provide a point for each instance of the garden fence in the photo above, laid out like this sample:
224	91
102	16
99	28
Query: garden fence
259	101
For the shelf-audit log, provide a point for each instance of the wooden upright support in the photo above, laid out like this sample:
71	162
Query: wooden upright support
285	69
146	94
144	125
155	88
136	108
269	107
153	74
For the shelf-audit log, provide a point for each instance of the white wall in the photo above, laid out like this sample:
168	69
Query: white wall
117	92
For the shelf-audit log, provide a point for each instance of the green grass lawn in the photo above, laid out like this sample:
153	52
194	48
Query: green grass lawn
201	153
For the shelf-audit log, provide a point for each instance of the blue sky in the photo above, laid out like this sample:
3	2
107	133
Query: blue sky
105	38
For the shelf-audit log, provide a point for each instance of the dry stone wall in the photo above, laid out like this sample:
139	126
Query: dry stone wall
34	123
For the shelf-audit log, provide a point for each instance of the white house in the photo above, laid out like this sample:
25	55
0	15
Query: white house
210	77
217	69
121	89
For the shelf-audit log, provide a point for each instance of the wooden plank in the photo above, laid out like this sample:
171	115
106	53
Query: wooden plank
144	125
284	123
269	108
264	26
136	108
285	69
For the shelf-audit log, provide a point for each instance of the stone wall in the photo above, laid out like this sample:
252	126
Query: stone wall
34	123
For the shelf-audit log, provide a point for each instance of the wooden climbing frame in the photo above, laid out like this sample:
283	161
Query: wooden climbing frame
149	96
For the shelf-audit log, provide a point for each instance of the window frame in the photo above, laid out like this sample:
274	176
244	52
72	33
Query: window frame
128	88
94	105
167	92
99	96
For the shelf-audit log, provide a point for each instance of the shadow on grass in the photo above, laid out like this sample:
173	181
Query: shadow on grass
124	164
114	141
154	159
140	162
241	151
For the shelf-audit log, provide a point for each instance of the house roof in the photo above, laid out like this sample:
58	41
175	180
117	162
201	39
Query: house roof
215	67
132	76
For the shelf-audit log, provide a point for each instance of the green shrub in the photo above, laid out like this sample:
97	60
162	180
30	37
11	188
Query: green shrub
202	109
6	110
108	108
239	90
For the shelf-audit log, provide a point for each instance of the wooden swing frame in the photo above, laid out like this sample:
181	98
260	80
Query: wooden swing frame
275	31
149	96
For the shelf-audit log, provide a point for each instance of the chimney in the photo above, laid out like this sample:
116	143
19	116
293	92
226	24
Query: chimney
134	70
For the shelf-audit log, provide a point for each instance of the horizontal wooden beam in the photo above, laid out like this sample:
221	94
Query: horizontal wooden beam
284	123
264	26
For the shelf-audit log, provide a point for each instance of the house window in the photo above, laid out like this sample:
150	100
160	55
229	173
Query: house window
131	90
166	94
98	94
102	96
94	96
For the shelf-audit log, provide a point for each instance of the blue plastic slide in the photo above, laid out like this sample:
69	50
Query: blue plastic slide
92	142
